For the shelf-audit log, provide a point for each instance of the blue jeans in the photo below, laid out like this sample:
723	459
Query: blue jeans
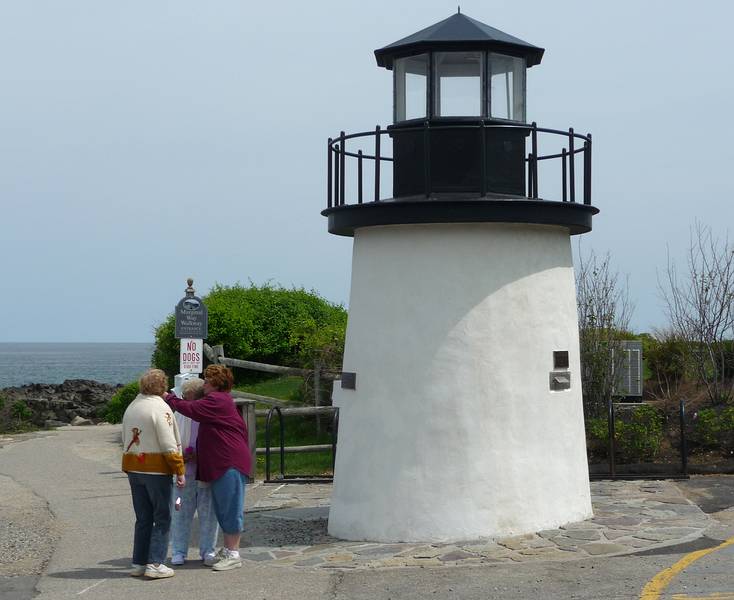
152	503
228	494
195	498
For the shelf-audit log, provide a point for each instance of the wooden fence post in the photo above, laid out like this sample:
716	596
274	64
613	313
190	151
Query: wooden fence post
218	353
247	410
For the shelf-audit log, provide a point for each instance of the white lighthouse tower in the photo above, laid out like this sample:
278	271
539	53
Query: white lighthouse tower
460	402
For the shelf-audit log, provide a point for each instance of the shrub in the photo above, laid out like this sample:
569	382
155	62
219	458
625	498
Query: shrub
264	323
637	437
120	401
714	428
641	436
19	410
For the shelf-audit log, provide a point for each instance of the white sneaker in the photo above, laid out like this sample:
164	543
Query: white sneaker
178	559
137	570
230	561
212	558
159	572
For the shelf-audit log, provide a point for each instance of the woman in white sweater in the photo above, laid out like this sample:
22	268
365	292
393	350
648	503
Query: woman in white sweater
151	454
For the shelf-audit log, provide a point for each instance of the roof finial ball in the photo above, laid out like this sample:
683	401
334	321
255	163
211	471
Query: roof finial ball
462	341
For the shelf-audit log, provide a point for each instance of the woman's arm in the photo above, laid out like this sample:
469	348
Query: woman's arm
204	410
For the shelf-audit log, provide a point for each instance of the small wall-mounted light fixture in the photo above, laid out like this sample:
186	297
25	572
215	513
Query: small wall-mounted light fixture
560	380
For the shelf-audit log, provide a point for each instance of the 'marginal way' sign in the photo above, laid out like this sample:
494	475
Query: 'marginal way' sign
191	318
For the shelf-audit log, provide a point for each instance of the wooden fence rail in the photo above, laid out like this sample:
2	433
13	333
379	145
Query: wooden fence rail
216	355
245	401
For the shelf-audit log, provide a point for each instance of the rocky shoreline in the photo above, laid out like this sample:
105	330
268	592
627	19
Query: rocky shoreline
74	402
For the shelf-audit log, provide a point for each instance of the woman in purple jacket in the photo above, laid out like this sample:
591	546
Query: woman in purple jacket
223	454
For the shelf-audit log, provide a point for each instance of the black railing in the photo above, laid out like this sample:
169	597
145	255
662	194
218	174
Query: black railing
566	155
650	470
331	410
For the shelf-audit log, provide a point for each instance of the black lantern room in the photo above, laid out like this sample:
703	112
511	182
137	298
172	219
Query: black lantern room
459	135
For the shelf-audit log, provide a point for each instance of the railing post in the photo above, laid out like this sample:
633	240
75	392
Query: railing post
564	181
483	154
377	163
683	441
612	443
571	169
328	174
317	385
530	174
534	138
334	437
336	175
342	158
359	177
587	175
427	158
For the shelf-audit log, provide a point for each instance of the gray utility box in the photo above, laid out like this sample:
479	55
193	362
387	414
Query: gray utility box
629	375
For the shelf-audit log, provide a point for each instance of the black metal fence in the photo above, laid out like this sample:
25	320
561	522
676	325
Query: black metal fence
331	411
570	154
668	459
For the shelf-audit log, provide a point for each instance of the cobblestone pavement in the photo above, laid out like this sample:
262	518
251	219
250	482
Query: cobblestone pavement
286	524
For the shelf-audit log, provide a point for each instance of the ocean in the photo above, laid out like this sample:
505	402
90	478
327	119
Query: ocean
55	362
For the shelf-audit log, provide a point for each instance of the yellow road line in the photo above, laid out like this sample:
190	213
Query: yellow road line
714	596
657	584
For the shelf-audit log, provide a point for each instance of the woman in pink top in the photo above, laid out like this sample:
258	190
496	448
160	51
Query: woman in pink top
223	454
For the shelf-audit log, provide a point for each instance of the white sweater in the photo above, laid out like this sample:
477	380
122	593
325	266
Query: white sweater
150	438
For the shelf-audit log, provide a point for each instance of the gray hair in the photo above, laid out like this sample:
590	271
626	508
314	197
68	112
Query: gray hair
193	388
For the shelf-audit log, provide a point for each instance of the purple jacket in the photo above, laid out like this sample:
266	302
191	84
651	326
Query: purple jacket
222	440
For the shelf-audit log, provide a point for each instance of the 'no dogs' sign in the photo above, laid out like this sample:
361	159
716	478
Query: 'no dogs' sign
191	359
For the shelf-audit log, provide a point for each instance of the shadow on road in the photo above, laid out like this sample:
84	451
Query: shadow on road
117	568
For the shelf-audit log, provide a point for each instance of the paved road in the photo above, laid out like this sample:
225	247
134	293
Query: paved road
76	471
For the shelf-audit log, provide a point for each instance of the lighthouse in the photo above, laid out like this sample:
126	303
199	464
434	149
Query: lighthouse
460	399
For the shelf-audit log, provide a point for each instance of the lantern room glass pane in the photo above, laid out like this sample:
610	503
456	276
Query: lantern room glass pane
507	83
411	87
459	81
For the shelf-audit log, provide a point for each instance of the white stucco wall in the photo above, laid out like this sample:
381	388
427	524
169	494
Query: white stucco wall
452	432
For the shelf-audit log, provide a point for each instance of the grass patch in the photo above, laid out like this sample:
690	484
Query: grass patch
299	431
285	388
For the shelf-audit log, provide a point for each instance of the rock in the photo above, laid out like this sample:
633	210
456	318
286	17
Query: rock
51	423
80	421
62	402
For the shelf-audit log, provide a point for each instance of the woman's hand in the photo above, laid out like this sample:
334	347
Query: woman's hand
180	481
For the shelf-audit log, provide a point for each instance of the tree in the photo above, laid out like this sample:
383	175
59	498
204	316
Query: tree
604	311
700	306
267	324
665	357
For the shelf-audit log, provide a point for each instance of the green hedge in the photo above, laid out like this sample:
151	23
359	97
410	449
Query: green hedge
637	436
120	401
264	323
714	428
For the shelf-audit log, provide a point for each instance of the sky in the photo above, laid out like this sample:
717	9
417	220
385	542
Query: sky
143	142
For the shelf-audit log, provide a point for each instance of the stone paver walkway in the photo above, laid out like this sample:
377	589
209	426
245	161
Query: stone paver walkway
286	525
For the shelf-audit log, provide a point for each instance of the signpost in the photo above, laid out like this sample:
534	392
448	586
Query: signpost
191	329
